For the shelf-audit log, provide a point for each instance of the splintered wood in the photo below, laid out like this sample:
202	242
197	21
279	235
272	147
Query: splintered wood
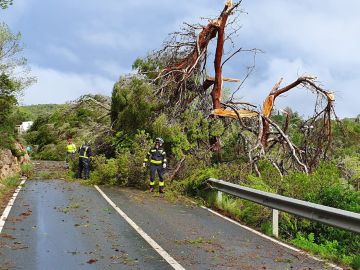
235	114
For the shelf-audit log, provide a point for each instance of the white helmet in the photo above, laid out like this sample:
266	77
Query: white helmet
159	140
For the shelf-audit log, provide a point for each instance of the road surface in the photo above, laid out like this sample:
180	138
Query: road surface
59	225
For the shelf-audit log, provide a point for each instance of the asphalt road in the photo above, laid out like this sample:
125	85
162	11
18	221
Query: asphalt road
59	225
56	225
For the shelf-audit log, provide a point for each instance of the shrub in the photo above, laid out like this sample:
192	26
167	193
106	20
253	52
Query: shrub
355	263
328	249
52	152
105	171
27	169
126	168
11	181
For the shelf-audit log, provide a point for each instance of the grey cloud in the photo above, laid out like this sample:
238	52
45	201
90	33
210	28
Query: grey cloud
315	37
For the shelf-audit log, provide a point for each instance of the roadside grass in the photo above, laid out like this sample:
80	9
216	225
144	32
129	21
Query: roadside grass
9	184
27	169
7	187
327	250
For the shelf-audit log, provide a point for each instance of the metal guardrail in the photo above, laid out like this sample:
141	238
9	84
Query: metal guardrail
332	216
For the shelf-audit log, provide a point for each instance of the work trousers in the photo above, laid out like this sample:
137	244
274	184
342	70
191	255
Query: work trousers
160	170
83	165
69	156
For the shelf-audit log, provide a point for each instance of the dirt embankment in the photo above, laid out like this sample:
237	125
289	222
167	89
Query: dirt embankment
9	164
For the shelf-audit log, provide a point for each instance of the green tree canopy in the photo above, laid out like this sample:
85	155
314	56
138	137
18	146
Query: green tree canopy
14	77
5	3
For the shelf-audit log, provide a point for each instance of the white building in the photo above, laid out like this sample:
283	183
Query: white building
25	126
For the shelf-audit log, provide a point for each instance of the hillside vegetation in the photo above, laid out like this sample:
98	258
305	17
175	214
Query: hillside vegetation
82	120
32	112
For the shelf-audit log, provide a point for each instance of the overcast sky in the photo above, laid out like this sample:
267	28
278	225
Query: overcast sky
83	46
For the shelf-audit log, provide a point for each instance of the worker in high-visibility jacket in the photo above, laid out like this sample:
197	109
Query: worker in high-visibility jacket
85	153
70	151
156	159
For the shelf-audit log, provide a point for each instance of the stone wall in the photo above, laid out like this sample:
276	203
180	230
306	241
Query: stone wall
9	164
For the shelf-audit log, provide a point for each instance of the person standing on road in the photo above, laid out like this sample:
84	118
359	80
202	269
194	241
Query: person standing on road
85	153
156	159
70	151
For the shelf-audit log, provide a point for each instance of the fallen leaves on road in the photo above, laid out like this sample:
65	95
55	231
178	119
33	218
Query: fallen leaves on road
7	236
91	261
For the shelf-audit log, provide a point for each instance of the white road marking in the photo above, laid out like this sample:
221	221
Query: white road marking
9	205
144	235
271	239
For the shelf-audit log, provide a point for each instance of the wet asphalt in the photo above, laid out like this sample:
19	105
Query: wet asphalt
59	225
198	239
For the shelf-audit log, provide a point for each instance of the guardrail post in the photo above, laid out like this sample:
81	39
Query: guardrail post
219	196
275	223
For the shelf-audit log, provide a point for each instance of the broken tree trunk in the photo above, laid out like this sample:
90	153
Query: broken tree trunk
179	75
275	92
216	92
217	88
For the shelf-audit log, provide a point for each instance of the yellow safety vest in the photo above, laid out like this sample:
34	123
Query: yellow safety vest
71	148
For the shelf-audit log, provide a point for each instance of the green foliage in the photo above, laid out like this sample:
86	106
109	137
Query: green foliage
302	186
355	262
27	169
13	79
351	169
82	121
340	196
51	152
33	112
8	89
105	171
176	140
328	249
126	168
258	183
267	228
132	105
148	66
270	177
12	63
11	182
192	184
217	128
4	4
7	186
324	186
137	176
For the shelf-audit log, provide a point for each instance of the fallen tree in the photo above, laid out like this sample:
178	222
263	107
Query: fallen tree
182	80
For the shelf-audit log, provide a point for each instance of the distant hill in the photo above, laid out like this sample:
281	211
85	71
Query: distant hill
32	112
87	118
